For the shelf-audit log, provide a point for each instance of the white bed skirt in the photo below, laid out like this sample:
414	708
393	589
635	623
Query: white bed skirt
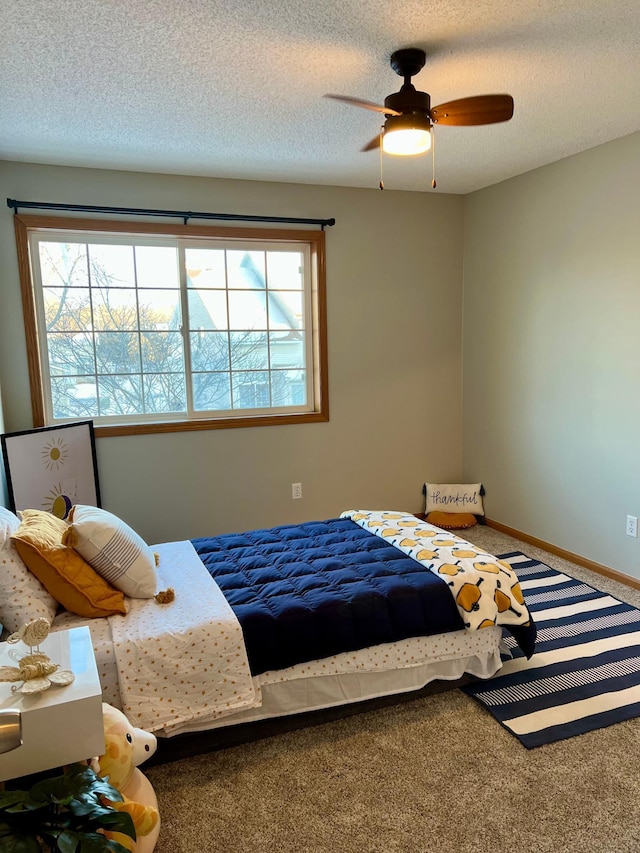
282	698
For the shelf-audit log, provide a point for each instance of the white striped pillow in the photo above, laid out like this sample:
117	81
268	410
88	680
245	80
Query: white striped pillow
113	550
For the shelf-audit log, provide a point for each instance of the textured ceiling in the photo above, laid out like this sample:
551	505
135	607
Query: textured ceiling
233	88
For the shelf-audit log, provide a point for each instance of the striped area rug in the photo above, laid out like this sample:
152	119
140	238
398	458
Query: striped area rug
585	673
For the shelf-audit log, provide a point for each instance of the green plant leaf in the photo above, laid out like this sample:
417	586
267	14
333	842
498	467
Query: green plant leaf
118	822
86	783
88	808
17	842
64	812
89	804
8	798
18	801
69	841
76	842
57	789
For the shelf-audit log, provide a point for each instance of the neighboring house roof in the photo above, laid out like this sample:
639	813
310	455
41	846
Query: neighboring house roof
281	314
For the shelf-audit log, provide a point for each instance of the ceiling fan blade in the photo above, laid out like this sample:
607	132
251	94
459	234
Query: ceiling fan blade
367	105
481	109
371	146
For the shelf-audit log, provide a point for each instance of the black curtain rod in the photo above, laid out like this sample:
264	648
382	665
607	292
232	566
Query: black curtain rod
176	214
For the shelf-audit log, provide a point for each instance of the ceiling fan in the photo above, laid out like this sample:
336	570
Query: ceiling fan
410	116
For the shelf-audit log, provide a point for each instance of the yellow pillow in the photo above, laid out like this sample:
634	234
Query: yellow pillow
61	570
451	520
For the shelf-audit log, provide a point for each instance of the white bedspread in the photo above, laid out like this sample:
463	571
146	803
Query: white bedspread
184	660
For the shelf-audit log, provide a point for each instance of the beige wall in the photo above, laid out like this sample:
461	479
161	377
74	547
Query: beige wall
552	351
551	355
3	483
394	276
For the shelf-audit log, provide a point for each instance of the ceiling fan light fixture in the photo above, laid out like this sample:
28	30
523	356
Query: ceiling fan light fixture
406	135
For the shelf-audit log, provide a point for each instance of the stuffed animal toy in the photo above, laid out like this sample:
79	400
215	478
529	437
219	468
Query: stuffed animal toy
125	748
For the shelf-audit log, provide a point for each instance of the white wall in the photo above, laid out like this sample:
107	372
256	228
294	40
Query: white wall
394	282
552	351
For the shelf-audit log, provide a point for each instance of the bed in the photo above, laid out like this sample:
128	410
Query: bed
297	618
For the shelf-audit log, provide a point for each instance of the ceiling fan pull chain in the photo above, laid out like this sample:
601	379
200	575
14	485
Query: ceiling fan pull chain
433	158
381	135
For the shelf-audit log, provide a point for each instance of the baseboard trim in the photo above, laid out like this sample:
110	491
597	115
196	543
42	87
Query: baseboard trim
566	555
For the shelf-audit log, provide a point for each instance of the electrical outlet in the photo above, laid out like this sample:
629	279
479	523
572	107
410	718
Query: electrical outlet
632	526
296	491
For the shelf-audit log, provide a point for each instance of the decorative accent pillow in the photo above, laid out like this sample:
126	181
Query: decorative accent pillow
66	576
451	520
113	549
22	596
454	497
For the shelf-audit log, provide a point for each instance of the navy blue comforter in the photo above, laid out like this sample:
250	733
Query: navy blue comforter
308	591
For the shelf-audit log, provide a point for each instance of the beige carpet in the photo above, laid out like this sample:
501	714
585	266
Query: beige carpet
436	775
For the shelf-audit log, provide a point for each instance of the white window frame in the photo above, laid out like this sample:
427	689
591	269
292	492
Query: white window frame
31	230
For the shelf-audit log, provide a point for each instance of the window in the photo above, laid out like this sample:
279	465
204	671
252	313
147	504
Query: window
147	328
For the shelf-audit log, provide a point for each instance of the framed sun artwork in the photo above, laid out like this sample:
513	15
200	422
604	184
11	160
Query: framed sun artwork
51	468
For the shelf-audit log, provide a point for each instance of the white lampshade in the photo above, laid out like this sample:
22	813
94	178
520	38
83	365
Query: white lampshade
406	135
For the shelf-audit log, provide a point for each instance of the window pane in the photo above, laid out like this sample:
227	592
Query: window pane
284	270
74	398
157	266
247	310
288	388
165	392
211	391
110	323
207	309
287	349
111	266
251	390
205	268
71	355
249	350
160	309
286	310
67	309
115	309
209	351
120	395
161	352
117	352
245	269
63	264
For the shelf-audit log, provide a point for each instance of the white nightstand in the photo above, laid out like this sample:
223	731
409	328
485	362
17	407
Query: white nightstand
63	724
